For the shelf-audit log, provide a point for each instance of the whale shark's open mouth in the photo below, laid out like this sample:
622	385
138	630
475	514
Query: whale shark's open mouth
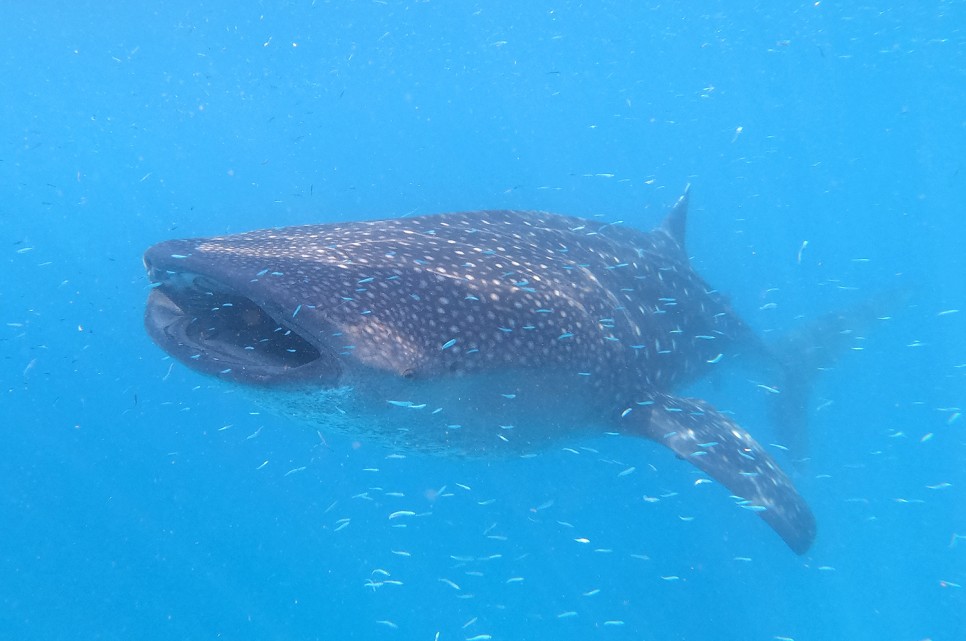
215	329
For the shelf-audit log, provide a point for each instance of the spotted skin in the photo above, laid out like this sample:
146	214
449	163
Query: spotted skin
473	333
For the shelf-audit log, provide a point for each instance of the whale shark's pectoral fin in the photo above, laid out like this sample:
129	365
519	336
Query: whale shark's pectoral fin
719	447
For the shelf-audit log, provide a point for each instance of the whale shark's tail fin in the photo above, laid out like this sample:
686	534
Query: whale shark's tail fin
800	354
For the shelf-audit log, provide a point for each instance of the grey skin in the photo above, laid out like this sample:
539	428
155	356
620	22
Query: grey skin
477	334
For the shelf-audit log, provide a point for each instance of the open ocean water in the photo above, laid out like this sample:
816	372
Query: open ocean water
825	145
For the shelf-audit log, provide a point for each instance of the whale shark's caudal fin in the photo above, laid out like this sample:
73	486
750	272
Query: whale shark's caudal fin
816	345
718	446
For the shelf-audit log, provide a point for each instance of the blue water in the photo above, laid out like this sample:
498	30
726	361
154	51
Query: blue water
134	498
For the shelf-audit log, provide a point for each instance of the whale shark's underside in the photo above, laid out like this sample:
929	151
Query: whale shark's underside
477	333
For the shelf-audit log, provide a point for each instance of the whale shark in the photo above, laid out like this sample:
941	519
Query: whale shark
482	333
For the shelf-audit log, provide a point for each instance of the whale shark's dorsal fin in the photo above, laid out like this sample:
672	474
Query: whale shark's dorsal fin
675	223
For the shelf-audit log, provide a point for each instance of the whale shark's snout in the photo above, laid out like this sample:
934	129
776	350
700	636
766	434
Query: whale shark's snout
219	324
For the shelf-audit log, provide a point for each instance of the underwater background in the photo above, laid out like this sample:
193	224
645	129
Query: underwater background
824	143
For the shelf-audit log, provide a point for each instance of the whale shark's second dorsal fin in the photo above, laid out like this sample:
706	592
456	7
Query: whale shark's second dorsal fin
675	223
